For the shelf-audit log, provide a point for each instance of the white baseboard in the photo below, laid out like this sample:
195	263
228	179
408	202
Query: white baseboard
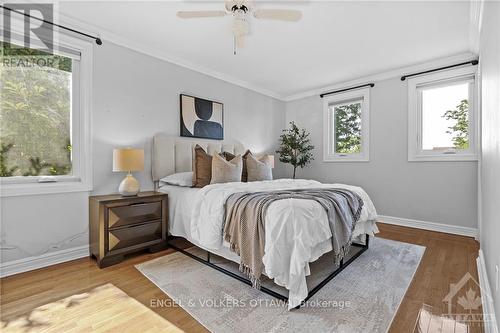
47	259
52	258
432	226
490	326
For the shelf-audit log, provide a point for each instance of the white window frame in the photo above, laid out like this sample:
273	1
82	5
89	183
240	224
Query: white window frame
81	178
415	151
329	154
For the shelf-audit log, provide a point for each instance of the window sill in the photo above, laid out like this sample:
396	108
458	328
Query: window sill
13	190
345	159
443	158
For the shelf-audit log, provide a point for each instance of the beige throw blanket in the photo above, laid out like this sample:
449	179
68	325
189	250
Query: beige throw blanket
245	215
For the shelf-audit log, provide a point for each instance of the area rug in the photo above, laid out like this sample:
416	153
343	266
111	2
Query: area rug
364	297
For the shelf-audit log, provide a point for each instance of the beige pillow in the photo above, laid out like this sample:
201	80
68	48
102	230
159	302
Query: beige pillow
226	171
258	169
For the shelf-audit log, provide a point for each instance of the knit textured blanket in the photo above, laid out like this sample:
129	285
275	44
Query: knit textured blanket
244	222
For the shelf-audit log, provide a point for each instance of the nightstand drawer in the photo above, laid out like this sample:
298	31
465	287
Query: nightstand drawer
134	213
127	237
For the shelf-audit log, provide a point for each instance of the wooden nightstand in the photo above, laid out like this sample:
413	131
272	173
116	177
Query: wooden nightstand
121	225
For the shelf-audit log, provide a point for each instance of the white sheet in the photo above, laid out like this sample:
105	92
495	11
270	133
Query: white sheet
180	207
197	215
180	204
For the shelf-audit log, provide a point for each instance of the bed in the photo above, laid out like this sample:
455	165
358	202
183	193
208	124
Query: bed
197	215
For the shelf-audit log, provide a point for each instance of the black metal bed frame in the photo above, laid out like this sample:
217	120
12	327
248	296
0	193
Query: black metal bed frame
342	266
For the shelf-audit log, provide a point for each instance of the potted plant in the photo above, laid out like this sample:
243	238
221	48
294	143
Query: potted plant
295	147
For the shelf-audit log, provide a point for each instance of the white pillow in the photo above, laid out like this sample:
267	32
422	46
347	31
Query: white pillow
179	179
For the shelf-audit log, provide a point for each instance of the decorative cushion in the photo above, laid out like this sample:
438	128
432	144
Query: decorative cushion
179	179
226	171
202	167
258	169
244	175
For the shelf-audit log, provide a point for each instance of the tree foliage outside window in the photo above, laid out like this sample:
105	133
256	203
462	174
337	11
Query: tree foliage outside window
6	171
347	128
35	112
295	147
460	130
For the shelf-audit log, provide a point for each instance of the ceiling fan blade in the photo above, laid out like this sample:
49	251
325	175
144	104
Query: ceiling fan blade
201	13
229	4
278	14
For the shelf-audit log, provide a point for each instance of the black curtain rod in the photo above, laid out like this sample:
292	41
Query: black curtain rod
98	41
346	89
472	62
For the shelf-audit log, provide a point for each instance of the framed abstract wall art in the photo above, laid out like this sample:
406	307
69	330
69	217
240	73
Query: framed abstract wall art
201	118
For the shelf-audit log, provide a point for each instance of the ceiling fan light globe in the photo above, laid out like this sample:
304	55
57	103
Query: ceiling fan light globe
240	42
240	27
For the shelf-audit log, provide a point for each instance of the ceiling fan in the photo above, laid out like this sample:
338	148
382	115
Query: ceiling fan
241	10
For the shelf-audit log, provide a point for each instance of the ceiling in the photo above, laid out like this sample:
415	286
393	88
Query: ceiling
335	41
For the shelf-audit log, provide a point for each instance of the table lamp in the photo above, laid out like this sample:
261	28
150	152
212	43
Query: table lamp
128	160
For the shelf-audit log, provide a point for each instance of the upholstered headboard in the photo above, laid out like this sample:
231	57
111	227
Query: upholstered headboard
175	154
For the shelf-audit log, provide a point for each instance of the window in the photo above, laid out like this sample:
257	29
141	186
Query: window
44	118
346	126
442	116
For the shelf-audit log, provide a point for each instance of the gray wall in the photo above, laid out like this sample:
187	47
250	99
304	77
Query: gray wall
443	192
490	164
135	96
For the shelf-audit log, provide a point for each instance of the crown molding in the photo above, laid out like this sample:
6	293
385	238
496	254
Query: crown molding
106	35
386	75
154	52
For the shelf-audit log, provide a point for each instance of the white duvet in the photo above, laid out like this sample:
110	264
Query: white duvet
297	230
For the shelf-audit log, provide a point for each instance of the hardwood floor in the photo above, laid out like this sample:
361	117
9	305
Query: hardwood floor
77	296
446	260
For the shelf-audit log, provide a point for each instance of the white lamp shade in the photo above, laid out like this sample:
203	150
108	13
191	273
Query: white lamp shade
128	159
